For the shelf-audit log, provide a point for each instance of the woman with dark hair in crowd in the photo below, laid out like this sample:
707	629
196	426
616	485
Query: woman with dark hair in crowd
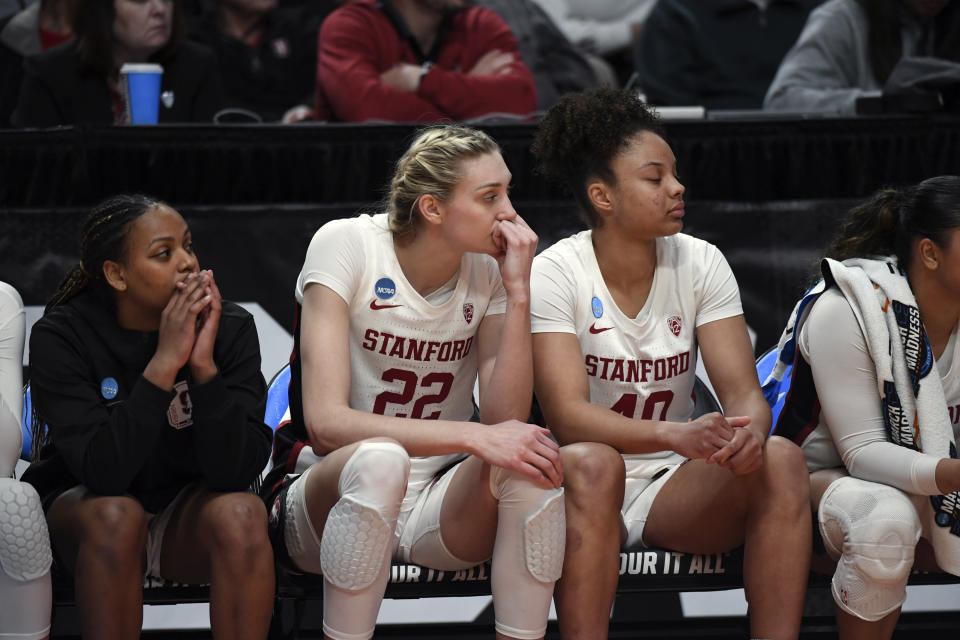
150	388
79	82
849	48
875	398
618	313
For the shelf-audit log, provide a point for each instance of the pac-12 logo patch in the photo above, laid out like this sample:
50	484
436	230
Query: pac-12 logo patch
180	411
109	388
385	288
675	325
597	307
468	311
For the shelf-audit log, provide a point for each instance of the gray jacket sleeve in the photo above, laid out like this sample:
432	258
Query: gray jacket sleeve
829	66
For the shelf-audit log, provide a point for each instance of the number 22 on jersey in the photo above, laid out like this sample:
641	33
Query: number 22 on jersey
411	384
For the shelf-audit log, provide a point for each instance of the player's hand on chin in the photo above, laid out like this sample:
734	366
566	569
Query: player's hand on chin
519	246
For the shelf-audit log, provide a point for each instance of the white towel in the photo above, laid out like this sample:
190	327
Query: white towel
914	408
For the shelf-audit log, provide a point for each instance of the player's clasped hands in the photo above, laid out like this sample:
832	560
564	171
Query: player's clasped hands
525	448
724	441
191	316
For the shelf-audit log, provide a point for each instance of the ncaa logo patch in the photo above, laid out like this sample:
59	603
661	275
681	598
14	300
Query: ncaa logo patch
109	388
384	288
675	325
468	311
597	307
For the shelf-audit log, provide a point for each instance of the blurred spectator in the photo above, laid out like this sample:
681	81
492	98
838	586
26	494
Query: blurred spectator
267	55
10	7
721	54
558	66
849	48
39	27
604	29
419	61
78	82
318	8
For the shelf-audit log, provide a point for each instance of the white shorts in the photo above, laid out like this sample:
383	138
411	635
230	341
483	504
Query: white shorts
639	493
156	525
418	529
418	526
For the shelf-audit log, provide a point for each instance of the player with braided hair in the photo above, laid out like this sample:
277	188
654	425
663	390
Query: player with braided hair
400	313
149	388
618	313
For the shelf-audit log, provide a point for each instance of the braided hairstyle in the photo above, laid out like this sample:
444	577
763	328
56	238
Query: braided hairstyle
103	237
432	165
890	221
582	133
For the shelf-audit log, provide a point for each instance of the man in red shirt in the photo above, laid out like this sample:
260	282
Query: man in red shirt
419	61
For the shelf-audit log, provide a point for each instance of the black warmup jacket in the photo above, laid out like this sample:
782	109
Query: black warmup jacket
58	89
116	433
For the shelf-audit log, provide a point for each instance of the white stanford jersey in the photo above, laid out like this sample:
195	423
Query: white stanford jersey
409	357
641	367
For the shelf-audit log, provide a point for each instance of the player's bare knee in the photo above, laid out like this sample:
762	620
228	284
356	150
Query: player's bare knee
786	466
593	472
115	528
238	525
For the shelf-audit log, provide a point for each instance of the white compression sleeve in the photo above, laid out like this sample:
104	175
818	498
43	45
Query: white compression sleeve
527	553
12	329
358	539
25	560
832	342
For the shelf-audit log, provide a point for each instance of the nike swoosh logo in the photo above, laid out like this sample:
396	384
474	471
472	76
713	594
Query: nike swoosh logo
377	307
593	328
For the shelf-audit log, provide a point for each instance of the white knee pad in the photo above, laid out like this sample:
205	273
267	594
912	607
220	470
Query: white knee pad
24	541
544	524
873	528
360	525
527	554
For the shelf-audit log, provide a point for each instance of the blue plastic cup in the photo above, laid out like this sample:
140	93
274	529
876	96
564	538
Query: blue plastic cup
141	91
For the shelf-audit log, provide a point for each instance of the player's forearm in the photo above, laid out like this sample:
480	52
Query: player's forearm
582	421
751	403
509	391
342	426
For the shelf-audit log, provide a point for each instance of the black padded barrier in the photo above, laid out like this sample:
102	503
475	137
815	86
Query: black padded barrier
766	191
